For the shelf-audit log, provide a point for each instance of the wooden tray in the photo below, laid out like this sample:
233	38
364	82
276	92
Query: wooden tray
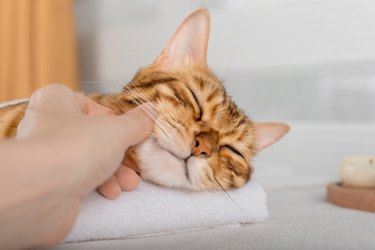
357	198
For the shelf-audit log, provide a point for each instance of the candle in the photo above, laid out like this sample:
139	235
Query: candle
358	171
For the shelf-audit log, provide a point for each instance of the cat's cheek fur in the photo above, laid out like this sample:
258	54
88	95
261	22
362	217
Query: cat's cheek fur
159	166
196	169
180	145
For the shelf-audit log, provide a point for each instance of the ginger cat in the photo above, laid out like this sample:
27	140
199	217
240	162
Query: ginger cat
201	139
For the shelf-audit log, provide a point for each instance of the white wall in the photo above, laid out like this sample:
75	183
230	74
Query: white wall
291	59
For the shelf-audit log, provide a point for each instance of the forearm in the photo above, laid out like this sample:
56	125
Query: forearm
33	181
33	168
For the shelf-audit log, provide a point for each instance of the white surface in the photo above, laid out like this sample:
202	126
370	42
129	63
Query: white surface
301	219
294	173
154	210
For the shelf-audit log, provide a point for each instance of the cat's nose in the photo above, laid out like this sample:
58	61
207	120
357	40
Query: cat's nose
202	147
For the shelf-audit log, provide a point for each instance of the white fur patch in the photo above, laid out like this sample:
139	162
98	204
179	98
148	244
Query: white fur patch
163	168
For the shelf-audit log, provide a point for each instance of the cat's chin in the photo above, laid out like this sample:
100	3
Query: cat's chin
162	167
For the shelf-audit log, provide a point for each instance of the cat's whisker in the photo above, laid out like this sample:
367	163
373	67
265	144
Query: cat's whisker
138	101
148	110
117	90
170	120
106	86
151	113
222	188
133	93
151	103
140	92
113	89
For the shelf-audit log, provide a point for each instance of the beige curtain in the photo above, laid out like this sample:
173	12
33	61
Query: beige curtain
37	46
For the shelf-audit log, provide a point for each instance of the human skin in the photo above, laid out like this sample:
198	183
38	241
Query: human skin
66	146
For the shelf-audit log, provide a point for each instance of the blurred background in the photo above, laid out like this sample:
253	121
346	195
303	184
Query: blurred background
304	60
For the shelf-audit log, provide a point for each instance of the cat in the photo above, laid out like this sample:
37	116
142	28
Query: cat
201	139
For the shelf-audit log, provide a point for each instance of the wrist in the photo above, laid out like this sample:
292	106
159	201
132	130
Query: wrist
36	183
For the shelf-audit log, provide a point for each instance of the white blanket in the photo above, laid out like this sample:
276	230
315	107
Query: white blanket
155	210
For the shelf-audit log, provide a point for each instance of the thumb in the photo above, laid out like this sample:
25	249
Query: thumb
138	123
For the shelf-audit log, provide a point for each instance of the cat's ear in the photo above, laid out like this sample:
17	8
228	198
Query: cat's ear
188	45
267	133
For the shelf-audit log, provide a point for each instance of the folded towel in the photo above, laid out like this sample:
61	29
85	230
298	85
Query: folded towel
153	210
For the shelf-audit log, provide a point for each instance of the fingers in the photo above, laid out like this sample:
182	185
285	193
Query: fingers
53	97
127	178
92	108
111	188
137	124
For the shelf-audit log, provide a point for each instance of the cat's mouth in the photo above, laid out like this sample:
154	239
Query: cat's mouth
161	146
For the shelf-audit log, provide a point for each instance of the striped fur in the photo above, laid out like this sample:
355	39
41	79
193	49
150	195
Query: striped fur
10	116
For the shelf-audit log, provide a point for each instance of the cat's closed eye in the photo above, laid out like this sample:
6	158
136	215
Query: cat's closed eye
234	150
200	113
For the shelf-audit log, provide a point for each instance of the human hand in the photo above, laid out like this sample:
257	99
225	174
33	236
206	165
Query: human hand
94	138
66	146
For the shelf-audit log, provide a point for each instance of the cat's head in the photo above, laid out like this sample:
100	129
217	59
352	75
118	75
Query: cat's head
201	139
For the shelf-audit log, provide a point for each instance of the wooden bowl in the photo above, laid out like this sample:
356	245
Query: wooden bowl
356	198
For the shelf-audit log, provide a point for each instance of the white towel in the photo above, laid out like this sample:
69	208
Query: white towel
155	210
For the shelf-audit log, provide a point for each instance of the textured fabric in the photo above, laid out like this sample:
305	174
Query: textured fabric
300	219
153	210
